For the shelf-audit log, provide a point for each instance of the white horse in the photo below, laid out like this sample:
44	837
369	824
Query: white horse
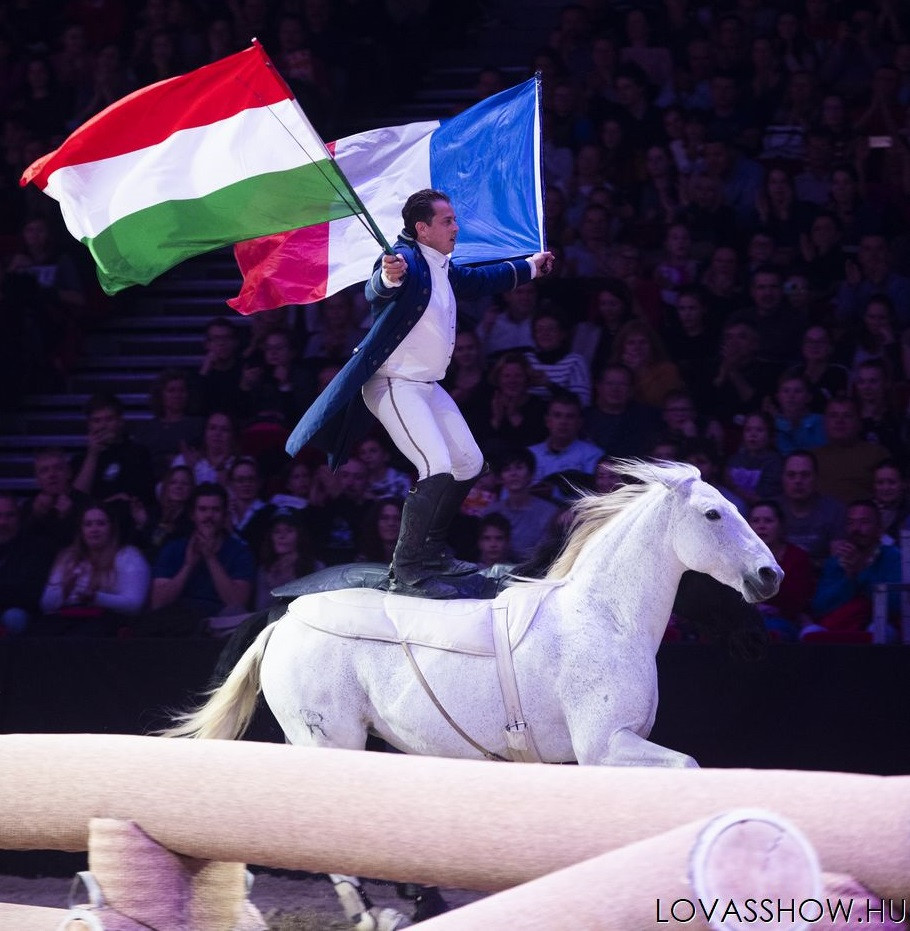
583	640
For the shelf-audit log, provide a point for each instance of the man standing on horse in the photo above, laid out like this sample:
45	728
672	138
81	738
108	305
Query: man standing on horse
395	372
420	284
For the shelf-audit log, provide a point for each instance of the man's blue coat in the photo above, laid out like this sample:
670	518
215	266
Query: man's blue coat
338	418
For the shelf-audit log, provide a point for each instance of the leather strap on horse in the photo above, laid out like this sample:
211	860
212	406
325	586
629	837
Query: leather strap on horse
489	754
518	731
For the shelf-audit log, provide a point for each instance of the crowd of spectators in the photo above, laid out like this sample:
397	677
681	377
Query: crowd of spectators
727	194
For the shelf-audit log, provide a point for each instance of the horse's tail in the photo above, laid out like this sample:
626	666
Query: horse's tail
228	710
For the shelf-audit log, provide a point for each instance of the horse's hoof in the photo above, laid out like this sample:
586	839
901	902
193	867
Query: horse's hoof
388	919
428	904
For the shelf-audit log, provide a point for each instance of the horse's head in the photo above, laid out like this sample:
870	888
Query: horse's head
711	536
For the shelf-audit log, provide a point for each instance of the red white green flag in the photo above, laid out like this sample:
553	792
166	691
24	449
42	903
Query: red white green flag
213	157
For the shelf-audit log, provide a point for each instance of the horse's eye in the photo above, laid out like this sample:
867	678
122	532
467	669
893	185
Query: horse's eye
712	514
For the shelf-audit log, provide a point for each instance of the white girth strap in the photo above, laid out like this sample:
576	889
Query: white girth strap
518	731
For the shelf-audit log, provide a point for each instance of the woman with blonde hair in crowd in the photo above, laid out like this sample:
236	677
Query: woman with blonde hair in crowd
285	554
170	517
212	461
95	583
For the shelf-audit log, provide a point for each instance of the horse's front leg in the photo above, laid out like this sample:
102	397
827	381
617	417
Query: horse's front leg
626	748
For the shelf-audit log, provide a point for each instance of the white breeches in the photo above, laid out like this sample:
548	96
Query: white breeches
425	424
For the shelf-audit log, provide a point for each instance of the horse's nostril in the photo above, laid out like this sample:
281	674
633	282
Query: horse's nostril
767	575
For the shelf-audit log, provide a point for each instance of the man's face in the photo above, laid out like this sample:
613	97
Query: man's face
352	477
842	423
873	255
106	423
520	303
614	389
888	485
52	474
220	342
793	398
209	514
798	478
9	520
563	422
863	526
515	476
766	291
441	232
492	544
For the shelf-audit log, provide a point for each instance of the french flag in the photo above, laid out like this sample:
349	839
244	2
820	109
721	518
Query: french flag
487	160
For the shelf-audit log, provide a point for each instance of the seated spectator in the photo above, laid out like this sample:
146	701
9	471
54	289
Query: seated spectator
872	274
206	574
826	379
740	175
709	220
858	217
379	530
113	468
682	423
859	562
822	253
590	255
245	506
553	365
754	470
788	611
294	486
466	378
512	416
493	533
52	515
25	561
383	480
879	421
338	505
692	334
846	461
606	478
619	425
875	336
796	426
221	369
281	388
212	460
781	215
889	492
169	517
529	516
95	584
563	450
812	520
509	327
740	380
286	555
722	283
172	427
611	307
639	348
676	269
779	327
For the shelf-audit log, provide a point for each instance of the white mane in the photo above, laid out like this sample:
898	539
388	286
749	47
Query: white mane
593	511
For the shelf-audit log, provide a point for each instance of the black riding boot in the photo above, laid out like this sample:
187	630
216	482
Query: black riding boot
439	556
410	571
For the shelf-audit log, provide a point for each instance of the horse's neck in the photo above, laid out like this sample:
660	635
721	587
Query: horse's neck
629	574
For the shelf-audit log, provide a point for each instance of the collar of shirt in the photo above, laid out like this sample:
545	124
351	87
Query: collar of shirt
434	256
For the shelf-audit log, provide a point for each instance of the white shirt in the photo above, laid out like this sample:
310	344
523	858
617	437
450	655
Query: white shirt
424	354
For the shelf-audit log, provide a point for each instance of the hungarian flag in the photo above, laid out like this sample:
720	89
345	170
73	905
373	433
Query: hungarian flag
487	159
193	163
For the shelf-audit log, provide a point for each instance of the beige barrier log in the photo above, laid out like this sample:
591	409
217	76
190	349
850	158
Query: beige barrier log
464	824
30	917
721	867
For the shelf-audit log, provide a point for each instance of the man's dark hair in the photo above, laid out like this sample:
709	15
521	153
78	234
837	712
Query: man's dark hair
221	322
495	520
103	401
517	454
803	454
419	208
563	396
208	490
